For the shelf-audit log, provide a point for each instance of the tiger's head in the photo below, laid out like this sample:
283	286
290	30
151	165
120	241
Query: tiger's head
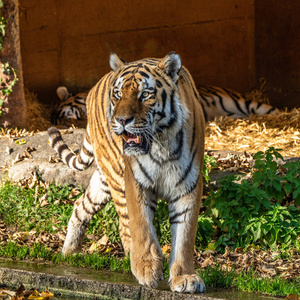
143	100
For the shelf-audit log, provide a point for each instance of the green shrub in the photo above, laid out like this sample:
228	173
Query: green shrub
252	212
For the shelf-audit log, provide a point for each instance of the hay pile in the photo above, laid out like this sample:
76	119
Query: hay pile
256	133
38	115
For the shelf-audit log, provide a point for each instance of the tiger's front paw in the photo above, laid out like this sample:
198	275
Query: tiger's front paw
147	266
187	284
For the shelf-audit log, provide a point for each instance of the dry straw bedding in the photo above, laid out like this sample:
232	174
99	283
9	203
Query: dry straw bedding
256	133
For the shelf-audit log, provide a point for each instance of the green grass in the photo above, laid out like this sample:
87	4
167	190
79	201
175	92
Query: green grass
246	281
96	261
19	206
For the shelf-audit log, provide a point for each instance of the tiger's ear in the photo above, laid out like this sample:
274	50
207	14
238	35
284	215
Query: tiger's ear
115	61
171	65
62	93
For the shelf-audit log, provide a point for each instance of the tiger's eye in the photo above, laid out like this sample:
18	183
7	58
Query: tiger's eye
118	94
145	94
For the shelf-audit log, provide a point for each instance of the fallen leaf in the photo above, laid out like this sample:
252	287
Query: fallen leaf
21	142
104	240
75	192
166	249
292	297
44	201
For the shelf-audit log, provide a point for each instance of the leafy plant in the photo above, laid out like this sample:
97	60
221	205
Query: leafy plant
267	173
279	226
208	164
252	212
8	70
2	30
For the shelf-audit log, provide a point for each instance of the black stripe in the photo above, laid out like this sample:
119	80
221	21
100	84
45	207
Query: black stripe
123	224
68	157
103	181
126	234
172	219
79	102
144	171
173	115
123	216
86	210
125	73
158	83
270	110
84	222
79	159
152	207
120	204
194	132
188	191
159	75
221	103
116	188
110	178
187	170
259	105
144	74
111	141
152	158
164	98
147	69
86	151
247	103
61	148
204	98
74	163
55	140
176	154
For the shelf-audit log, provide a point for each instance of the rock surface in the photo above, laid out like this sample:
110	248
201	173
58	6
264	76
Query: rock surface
39	157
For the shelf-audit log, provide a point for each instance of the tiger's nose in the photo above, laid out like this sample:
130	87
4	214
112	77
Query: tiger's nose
124	120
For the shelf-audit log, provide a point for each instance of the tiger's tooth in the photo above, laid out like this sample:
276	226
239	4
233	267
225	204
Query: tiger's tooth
125	137
138	139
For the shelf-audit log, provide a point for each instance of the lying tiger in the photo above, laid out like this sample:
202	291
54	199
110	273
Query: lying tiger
215	101
145	129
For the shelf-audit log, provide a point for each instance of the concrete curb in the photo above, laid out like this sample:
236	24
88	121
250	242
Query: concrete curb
74	285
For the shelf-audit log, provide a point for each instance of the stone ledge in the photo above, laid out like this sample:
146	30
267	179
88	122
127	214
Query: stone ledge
77	282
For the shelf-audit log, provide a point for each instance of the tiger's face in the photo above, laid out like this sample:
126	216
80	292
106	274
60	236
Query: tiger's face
141	106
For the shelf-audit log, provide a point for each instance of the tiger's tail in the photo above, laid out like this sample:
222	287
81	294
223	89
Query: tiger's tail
80	162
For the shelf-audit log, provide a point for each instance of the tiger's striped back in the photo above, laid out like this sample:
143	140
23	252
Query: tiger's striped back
217	102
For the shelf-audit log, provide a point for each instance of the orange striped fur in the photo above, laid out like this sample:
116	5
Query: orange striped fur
146	132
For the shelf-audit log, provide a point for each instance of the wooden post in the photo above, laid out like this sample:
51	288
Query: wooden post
14	105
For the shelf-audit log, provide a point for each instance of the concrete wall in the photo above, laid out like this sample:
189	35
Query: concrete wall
277	48
68	42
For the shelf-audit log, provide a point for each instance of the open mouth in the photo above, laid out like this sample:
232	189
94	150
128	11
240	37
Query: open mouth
134	142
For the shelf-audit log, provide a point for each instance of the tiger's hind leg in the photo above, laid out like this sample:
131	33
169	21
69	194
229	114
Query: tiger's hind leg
93	200
121	208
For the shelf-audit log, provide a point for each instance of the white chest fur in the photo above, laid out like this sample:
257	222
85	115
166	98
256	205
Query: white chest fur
166	176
